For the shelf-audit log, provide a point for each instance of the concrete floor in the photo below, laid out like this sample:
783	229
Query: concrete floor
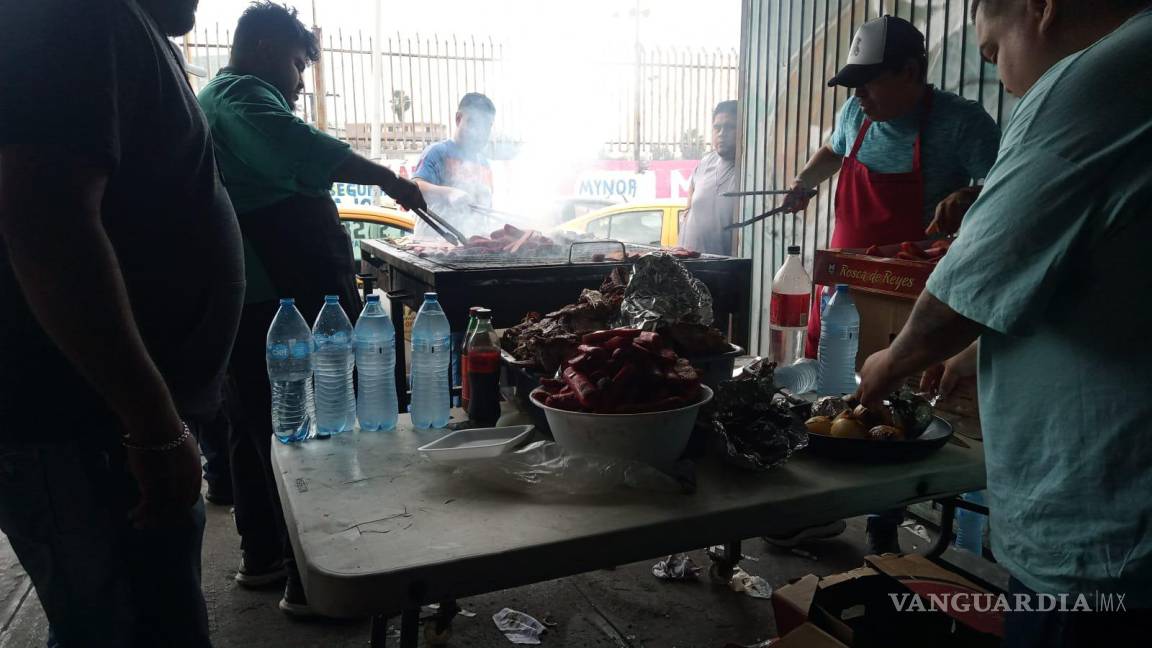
625	607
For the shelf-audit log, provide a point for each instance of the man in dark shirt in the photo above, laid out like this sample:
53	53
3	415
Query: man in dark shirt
121	281
278	171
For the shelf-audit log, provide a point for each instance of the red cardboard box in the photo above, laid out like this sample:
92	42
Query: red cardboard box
858	607
880	275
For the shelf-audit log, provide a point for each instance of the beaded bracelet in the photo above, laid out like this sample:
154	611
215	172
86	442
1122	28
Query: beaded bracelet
171	445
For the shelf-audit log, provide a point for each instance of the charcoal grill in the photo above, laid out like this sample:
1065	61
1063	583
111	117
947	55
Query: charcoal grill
543	281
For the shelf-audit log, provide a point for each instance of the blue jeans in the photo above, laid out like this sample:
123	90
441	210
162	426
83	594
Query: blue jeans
101	582
1057	629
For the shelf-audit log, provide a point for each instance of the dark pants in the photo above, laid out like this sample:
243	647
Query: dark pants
212	435
259	516
101	582
1057	629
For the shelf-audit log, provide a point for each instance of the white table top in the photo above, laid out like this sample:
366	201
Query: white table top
378	529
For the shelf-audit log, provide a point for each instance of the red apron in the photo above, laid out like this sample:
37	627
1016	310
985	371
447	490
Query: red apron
874	209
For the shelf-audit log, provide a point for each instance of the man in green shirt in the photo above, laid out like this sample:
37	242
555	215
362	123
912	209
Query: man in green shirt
1050	273
278	171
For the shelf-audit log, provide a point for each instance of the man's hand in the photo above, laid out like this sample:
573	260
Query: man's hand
877	379
951	210
458	199
943	378
169	480
406	193
797	198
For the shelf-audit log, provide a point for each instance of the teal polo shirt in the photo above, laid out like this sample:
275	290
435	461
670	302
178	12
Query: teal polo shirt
1054	259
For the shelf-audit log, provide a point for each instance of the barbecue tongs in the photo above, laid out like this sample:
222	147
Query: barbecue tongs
442	227
808	193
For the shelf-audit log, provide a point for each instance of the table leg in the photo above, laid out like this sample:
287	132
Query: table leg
410	628
947	517
438	628
379	633
725	562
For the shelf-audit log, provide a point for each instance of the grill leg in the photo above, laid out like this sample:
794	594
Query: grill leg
396	301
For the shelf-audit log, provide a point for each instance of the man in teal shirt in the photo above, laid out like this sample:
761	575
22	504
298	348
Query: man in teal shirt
278	171
1049	272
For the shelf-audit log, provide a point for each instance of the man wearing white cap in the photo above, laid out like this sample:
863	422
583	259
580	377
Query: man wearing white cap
909	156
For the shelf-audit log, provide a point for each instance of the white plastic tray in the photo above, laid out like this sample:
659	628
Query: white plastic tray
477	443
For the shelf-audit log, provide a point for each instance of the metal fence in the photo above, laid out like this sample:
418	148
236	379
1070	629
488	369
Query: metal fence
652	103
790	48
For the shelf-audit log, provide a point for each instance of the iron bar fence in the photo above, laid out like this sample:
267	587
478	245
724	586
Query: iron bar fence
423	77
789	49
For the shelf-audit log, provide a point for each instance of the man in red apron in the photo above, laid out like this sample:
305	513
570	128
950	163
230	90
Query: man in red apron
908	156
908	153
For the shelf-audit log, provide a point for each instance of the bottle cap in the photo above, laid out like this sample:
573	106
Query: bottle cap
287	301
373	299
430	296
793	249
332	299
841	288
484	313
473	310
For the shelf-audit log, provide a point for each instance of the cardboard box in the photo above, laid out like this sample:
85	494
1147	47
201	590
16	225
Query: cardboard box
881	275
858	607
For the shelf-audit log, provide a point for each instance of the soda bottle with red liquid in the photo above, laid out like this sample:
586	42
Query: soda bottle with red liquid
483	372
465	392
788	312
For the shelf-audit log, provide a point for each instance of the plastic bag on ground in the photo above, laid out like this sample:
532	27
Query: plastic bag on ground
518	627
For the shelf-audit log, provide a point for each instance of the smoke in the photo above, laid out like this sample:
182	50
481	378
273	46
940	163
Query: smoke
565	79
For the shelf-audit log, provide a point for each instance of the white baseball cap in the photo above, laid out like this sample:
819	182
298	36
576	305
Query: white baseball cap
882	44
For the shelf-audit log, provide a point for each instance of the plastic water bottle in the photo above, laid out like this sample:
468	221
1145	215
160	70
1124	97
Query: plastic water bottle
970	525
839	342
798	378
335	401
788	310
288	353
431	351
375	344
826	293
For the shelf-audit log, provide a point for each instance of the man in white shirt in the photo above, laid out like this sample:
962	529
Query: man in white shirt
708	209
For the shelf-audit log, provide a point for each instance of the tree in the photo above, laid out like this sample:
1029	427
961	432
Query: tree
401	103
692	145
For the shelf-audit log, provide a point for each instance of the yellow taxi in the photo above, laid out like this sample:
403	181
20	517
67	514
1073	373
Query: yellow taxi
653	222
373	222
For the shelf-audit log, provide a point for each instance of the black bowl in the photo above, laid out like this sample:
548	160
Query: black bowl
929	441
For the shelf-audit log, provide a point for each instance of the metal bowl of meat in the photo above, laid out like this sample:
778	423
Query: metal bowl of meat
656	438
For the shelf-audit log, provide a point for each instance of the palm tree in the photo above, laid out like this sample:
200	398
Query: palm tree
401	103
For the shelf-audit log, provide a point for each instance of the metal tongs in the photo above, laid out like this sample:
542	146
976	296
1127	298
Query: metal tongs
441	226
808	193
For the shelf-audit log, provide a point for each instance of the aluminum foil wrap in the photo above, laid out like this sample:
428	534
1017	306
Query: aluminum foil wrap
663	292
755	427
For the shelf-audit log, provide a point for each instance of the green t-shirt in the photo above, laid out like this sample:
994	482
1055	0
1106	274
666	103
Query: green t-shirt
265	154
1053	259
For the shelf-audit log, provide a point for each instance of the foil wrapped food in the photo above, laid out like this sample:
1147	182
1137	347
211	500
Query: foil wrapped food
662	292
754	426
